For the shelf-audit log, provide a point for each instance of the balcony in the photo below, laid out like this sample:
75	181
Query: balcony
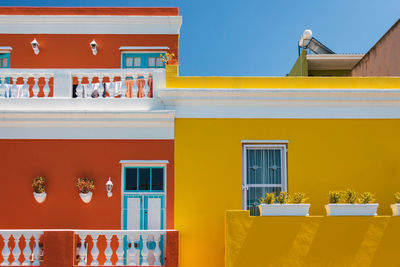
67	248
90	89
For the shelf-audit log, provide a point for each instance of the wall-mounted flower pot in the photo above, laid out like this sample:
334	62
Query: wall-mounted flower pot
395	209
86	197
40	197
284	209
351	209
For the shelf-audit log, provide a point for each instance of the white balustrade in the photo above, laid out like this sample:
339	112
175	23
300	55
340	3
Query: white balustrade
11	254
146	247
119	83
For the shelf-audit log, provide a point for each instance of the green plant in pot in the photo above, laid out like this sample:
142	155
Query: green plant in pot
85	187
396	206
349	203
39	188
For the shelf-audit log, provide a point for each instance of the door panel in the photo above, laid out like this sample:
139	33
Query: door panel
154	219
134	216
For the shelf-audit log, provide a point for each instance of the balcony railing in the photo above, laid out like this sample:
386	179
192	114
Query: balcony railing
21	246
80	83
89	248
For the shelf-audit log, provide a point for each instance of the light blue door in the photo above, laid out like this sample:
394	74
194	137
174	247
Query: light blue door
144	202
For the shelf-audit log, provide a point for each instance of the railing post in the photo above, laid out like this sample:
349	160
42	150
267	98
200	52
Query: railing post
27	250
145	250
82	250
95	250
120	250
62	84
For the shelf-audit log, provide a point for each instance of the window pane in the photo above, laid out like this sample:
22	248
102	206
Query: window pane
159	62
131	179
157	179
144	179
255	193
137	61
254	166
5	63
152	62
272	167
129	61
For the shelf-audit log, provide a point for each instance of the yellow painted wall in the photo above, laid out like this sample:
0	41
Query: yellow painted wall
174	81
323	155
311	241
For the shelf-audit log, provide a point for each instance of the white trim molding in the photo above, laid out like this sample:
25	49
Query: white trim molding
133	48
265	141
283	103
5	49
89	24
87	125
144	162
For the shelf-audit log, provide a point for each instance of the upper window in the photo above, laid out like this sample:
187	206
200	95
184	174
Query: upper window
142	179
142	60
5	60
264	171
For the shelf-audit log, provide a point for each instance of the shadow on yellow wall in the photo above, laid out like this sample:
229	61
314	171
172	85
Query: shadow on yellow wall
311	241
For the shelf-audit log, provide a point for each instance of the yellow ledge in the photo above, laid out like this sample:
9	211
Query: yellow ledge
284	82
311	241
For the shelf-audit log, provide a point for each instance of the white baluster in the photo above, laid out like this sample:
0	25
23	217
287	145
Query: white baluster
16	249
134	87
27	250
123	86
120	250
35	87
146	88
3	87
95	250
14	87
145	250
79	88
134	256
89	87
82	251
46	88
157	250
6	250
108	251
101	88
111	87
36	250
25	87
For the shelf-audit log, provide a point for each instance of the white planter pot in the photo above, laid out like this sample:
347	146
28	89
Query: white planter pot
40	197
351	209
284	209
86	197
395	209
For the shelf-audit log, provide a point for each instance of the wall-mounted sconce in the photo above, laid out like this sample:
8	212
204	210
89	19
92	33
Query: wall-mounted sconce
109	186
35	46
93	45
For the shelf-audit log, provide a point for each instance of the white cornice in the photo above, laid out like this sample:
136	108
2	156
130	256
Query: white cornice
86	125
144	48
282	103
90	24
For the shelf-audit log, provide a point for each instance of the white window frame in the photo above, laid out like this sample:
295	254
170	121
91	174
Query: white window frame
265	145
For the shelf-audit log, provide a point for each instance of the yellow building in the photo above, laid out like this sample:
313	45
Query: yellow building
325	134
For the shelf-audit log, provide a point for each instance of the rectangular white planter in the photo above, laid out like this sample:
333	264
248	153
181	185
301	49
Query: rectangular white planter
351	209
284	209
395	209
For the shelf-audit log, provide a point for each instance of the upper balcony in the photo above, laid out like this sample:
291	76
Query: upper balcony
81	89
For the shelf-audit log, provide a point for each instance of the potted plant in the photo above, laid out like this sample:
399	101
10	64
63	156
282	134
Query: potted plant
348	203
395	207
284	205
39	188
85	187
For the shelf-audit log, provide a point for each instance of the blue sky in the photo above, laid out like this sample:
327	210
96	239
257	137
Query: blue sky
259	37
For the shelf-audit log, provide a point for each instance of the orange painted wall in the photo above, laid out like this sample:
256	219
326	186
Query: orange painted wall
138	11
73	50
62	162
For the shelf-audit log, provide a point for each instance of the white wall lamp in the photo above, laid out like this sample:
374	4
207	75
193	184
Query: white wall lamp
93	46
35	46
109	186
